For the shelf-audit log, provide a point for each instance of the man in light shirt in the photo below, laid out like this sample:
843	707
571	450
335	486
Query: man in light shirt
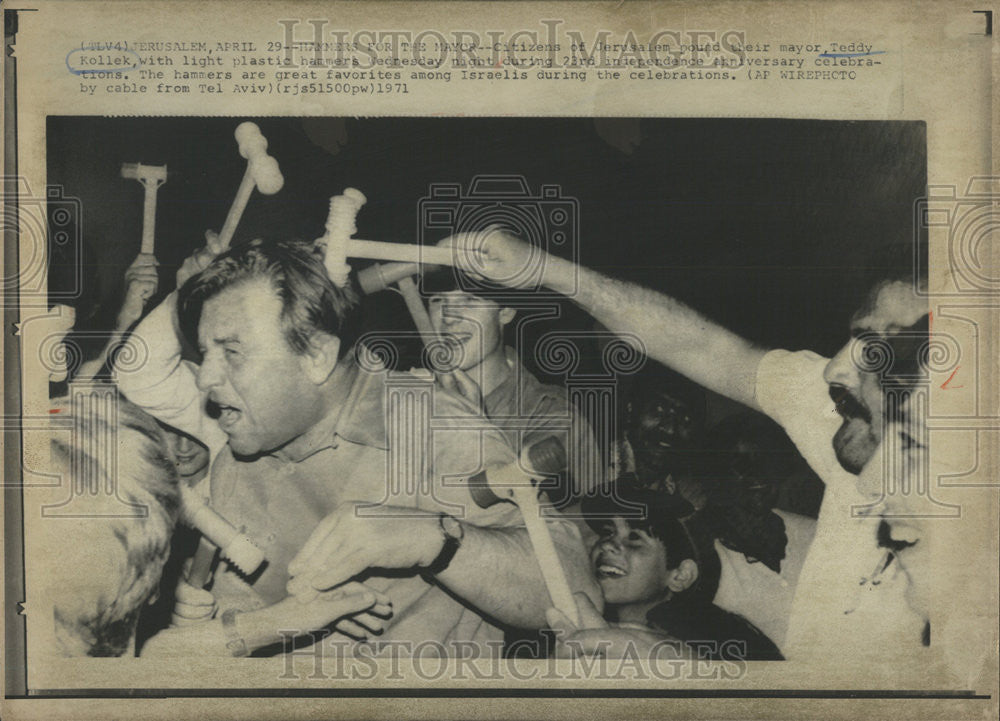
832	409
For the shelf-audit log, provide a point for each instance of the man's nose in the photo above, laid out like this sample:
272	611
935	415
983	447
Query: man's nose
841	370
184	445
209	374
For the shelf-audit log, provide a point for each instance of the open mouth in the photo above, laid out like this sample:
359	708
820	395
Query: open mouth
606	569
227	415
847	405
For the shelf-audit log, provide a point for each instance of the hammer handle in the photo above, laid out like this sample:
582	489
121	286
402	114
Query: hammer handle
526	498
201	564
236	211
400	252
408	289
149	216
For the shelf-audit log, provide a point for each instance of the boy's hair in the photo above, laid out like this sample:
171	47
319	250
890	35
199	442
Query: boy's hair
310	301
668	518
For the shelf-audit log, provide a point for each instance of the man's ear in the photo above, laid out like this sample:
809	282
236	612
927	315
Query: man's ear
507	315
683	577
320	358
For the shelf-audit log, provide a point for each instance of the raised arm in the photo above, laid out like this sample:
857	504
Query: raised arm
162	384
670	332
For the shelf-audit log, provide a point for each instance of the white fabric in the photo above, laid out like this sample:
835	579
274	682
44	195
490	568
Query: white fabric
833	609
756	592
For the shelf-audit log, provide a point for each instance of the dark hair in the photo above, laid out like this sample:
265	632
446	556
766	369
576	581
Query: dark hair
668	518
311	303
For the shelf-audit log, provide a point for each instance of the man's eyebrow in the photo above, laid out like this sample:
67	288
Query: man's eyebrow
226	339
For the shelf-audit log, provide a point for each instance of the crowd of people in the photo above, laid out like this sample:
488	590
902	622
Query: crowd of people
729	538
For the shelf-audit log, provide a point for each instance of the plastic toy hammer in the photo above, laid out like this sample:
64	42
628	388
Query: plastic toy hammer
262	173
516	482
340	245
151	177
236	547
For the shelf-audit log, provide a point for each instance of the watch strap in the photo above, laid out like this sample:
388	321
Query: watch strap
234	641
452	543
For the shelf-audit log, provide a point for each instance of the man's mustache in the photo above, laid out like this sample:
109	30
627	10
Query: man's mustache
848	405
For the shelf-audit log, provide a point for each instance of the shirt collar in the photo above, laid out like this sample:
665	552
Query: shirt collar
533	391
357	415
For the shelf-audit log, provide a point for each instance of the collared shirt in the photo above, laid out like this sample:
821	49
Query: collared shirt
278	500
526	410
835	605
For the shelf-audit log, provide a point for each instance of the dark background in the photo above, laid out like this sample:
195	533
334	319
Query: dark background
774	228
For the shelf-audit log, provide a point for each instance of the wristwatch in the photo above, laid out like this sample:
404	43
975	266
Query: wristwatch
234	641
453	533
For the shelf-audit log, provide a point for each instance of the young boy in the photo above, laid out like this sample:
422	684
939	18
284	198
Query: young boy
658	577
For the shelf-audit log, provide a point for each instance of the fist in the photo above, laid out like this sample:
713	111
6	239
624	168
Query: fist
141	282
193	605
497	256
199	260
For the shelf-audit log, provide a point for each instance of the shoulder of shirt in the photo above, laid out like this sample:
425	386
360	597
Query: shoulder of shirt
783	375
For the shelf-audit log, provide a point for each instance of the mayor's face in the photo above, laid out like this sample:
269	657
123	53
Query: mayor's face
255	382
857	392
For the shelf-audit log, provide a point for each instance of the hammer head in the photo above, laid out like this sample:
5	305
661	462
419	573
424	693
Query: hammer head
250	140
546	457
267	175
142	173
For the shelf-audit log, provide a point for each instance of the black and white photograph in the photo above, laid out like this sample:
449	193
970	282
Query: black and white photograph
501	405
591	300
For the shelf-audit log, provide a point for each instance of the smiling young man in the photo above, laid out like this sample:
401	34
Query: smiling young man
473	325
304	465
800	390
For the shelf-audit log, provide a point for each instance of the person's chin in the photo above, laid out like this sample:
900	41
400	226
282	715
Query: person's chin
242	446
854	445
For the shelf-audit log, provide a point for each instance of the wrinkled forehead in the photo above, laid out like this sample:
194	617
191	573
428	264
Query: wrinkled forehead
891	307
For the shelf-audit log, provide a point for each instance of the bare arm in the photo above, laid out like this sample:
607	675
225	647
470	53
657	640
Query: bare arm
494	569
670	332
265	626
162	385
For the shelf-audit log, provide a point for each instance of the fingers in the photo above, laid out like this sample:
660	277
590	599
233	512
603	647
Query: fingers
347	567
144	260
191	596
382	604
193	605
559	621
368	623
350	628
212	243
589	615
